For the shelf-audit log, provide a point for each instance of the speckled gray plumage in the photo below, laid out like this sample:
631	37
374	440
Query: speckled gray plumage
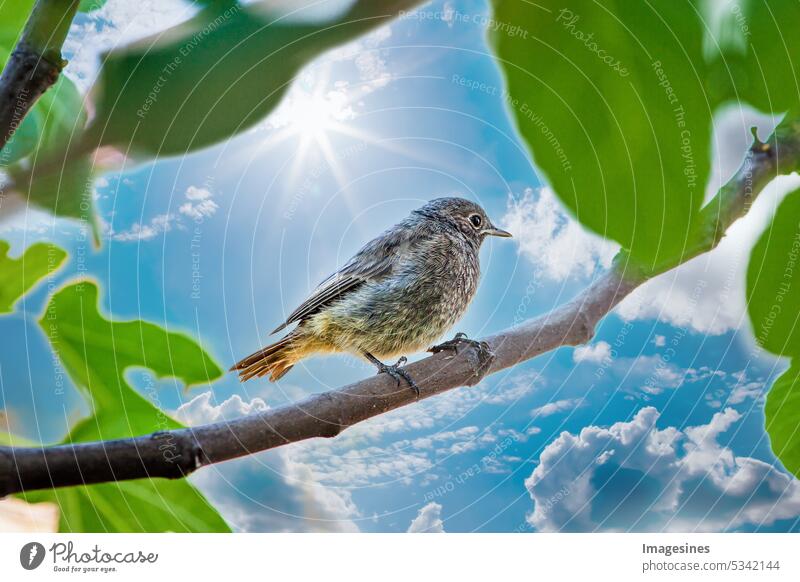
400	293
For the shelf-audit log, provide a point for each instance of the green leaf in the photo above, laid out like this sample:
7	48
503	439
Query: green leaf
212	77
13	16
18	276
91	5
63	190
609	97
10	439
133	506
96	352
752	57
782	411
773	281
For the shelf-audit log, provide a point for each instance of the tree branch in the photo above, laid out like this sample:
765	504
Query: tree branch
177	453
35	64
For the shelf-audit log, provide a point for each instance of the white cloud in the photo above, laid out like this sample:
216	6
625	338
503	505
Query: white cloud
634	476
510	390
596	353
117	23
269	491
337	102
199	204
404	444
744	390
557	406
159	224
448	14
201	409
552	240
428	520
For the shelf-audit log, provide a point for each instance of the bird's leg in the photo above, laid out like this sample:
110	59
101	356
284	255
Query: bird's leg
485	354
396	371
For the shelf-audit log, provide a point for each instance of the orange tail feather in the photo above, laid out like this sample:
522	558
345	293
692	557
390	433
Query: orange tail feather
275	359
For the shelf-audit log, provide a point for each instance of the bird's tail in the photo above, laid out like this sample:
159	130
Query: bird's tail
275	359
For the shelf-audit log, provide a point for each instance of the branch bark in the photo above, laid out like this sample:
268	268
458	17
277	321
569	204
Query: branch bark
35	63
175	454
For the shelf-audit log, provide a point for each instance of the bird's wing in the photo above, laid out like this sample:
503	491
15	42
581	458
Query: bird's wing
373	262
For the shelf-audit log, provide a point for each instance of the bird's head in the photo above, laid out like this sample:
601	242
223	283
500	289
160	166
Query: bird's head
465	216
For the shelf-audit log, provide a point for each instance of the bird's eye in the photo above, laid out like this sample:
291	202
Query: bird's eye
476	220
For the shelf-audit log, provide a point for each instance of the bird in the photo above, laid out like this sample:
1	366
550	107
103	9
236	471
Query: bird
397	295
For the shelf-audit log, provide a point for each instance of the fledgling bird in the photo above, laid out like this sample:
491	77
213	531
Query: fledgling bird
397	295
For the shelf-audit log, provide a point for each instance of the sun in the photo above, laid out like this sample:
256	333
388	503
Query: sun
316	115
313	118
311	115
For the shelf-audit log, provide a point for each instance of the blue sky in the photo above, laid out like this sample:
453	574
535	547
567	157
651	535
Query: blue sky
656	425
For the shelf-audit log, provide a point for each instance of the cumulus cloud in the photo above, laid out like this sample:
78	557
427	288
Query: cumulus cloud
270	491
552	240
144	231
428	520
634	476
595	353
198	206
404	443
556	406
202	410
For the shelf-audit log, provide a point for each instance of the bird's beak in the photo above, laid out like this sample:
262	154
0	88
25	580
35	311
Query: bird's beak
494	231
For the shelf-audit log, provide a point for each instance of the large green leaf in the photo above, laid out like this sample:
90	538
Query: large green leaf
773	282
753	54
609	96
212	77
133	506
96	352
773	303
782	412
18	276
13	16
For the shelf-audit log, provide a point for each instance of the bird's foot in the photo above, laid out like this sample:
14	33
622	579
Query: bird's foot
484	353
399	373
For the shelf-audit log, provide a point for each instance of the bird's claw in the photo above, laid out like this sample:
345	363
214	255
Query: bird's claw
397	372
482	349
